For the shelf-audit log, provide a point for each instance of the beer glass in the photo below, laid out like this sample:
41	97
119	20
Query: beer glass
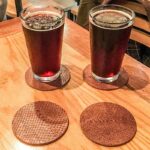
110	28
43	29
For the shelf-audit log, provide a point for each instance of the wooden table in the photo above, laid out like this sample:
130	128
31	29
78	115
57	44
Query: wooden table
75	97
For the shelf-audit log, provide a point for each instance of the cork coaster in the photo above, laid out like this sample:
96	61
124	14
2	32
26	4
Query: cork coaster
120	82
60	82
40	123
108	124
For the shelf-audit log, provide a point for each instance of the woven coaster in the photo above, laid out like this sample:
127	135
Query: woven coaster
60	82
121	81
40	123
108	124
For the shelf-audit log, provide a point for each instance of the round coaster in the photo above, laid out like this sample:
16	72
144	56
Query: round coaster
108	124
40	123
60	82
121	81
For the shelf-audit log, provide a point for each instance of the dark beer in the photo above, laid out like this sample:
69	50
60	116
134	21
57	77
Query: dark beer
109	34
44	34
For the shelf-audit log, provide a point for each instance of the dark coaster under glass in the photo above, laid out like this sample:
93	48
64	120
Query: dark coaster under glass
108	124
120	82
40	123
60	82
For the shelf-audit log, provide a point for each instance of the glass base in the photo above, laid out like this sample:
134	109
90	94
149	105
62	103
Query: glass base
105	80
47	79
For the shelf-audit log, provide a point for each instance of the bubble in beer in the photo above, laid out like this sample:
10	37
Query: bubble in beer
37	26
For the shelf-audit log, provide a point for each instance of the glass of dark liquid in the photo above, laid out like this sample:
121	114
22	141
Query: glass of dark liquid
110	28
43	29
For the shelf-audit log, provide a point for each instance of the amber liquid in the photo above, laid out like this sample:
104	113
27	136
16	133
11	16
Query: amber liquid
108	46
44	43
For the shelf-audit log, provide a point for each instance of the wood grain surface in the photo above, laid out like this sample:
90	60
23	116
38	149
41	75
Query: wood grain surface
75	97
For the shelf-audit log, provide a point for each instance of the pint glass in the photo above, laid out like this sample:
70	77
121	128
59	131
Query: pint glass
110	27
43	29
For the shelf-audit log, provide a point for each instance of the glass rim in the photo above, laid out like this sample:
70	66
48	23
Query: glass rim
113	5
58	8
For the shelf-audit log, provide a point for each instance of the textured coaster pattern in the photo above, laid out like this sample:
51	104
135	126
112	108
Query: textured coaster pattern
108	124
60	82
40	123
121	81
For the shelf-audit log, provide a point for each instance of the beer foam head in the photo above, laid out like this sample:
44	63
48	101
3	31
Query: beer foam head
111	19
43	21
